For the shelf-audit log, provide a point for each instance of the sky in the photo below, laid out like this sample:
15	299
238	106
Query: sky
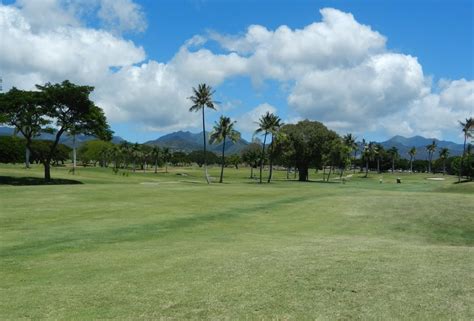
372	68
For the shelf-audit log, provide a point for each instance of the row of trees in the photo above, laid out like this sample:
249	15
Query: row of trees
65	107
310	144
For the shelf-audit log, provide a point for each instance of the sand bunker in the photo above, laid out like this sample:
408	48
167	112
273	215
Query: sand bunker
436	178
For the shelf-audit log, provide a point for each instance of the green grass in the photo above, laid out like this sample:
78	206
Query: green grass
150	246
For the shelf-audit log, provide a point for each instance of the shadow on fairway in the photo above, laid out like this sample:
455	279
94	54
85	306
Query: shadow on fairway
25	181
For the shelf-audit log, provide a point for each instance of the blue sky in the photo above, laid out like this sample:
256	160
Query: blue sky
374	68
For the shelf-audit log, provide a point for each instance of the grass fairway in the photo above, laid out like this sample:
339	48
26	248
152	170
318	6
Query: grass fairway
149	246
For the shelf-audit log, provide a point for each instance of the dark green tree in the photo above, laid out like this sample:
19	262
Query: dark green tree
308	140
26	112
70	108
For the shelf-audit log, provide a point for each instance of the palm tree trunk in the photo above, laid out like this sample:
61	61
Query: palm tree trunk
156	165
393	165
462	158
251	171
411	164
366	168
329	174
354	165
204	140
166	167
223	161
271	162
444	166
378	165
262	158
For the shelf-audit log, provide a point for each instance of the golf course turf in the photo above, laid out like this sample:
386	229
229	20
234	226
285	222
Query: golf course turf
167	245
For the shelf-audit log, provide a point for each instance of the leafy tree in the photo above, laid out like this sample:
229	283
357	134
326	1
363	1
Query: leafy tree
201	99
12	149
25	111
308	141
431	149
251	156
412	153
443	154
69	107
223	129
466	127
198	157
41	152
338	156
94	151
234	160
393	152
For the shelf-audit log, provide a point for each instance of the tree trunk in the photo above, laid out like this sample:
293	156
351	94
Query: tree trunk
444	166
251	171
271	162
366	168
27	157
329	174
223	162
429	162
204	140
156	166
378	165
47	170
288	172
411	164
303	174
393	165
74	154
166	167
462	158
355	155
262	158
324	173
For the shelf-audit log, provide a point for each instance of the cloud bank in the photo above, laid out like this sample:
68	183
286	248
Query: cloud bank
336	70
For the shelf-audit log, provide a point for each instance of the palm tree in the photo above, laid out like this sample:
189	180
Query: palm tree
412	153
443	154
266	125
201	99
431	149
467	126
276	136
379	153
223	129
155	154
166	157
368	154
393	152
350	141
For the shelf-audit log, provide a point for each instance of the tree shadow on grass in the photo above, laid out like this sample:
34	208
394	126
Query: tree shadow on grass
26	181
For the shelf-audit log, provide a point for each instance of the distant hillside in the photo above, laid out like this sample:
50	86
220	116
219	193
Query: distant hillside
187	142
65	138
404	144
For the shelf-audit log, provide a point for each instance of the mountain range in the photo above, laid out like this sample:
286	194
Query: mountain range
186	141
65	139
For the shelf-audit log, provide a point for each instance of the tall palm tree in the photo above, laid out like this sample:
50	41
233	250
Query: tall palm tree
393	152
368	154
444	154
276	136
223	129
350	141
166	157
467	126
201	99
379	153
412	153
155	154
431	149
266	125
